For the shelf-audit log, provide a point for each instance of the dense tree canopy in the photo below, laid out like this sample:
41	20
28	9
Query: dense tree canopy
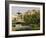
32	19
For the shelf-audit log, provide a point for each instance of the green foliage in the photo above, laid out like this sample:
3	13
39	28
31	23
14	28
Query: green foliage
32	19
35	26
13	23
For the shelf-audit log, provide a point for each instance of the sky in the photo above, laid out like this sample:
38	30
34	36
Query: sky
16	9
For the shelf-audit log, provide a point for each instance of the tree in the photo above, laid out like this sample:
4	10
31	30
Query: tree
32	19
